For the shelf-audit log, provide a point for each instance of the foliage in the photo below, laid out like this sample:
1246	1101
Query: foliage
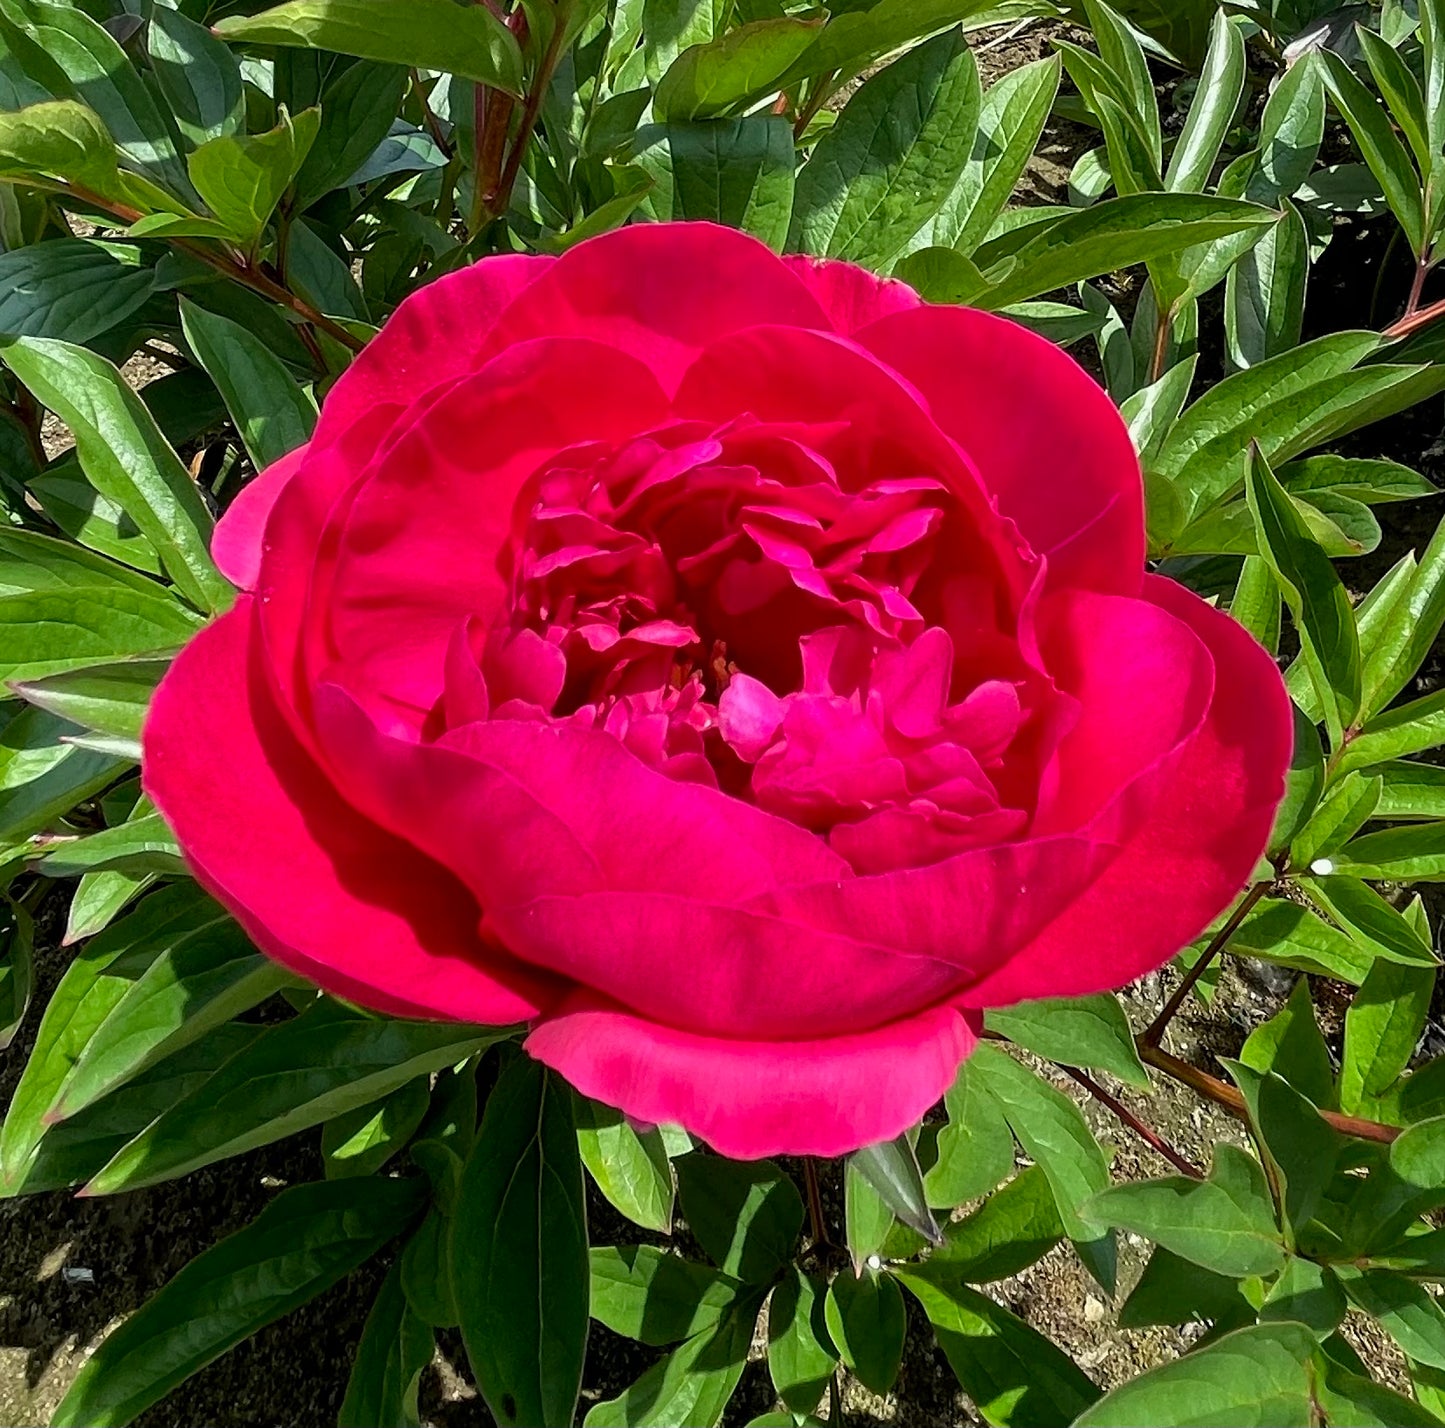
242	195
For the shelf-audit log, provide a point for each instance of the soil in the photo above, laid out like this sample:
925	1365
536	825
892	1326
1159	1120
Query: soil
72	1269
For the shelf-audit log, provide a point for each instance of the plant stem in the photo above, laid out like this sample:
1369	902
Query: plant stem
1213	1089
496	203
429	118
1413	321
1156	1029
1417	285
822	89
816	1221
1162	323
1145	1132
241	270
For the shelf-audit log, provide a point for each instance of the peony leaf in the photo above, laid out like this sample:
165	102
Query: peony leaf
746	1215
307	1239
655	1297
471	43
1014	1228
519	1251
395	1347
1253	1378
629	1165
801	1353
1077	1031
891	1168
1012	1372
866	1320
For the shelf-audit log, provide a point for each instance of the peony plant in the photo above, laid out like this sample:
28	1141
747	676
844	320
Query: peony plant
722	752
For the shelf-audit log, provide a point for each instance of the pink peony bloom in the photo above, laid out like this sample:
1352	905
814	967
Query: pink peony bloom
729	665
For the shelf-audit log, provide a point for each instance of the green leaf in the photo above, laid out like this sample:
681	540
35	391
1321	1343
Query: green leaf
395	1347
272	413
892	158
71	1151
358	108
61	140
1212	110
71	288
692	1384
197	76
1400	89
1153	410
1111	235
191	968
1341	813
1418	1154
656	1297
1010	121
1357	1401
1252	1378
1302	1147
1198	1220
17	967
242	178
1290	1045
852	40
426	1271
296	1075
733	171
801	1355
630	1166
107	698
1077	1031
126	458
469	42
1265	297
1014	1228
867	1220
1410	790
519	1251
891	1168
746	1215
1367	918
42	778
1398	649
99	73
975	1148
139	845
1173	1291
87	517
866	1320
1313	592
30	561
1051	1128
1305	1293
360	1141
306	1240
1382	1026
742	65
1287	404
1381	148
1406	729
1014	1375
1405	1310
668	27
50	631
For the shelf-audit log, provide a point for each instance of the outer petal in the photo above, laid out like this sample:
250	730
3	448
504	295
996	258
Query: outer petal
658	894
662	292
852	296
1063	469
749	1099
237	541
1207	831
434	337
316	887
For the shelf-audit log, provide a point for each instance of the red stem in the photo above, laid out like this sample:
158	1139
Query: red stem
1145	1132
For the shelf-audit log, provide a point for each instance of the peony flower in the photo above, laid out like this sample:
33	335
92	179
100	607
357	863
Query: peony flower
732	667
